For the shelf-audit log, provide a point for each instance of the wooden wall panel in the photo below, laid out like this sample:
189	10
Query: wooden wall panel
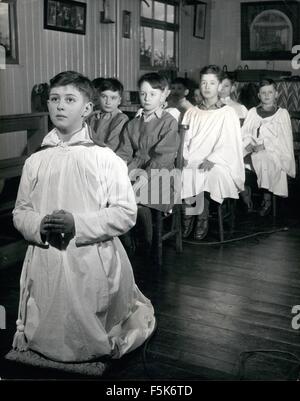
102	51
44	53
194	52
129	48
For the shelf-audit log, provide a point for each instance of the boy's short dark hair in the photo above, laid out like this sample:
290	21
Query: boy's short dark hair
189	84
110	84
181	81
97	82
156	80
267	82
212	69
79	81
229	77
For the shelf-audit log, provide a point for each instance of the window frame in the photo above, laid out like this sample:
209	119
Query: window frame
165	27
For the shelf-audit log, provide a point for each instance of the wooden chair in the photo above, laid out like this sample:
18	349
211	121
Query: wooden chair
161	231
227	214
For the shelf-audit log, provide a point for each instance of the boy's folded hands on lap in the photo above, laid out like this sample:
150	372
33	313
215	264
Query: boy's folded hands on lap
206	165
254	146
258	148
249	148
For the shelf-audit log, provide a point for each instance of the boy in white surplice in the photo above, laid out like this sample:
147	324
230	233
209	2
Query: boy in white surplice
212	153
78	297
268	142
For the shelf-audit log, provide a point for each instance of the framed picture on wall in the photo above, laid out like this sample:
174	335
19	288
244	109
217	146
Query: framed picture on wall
8	33
269	29
200	20
65	15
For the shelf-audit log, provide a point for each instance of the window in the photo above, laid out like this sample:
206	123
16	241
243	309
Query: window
271	30
158	36
8	31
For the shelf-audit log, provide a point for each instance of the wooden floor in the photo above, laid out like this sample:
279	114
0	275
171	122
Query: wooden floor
212	303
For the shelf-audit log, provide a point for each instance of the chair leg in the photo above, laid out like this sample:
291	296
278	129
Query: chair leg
158	238
157	244
220	218
177	218
274	205
232	214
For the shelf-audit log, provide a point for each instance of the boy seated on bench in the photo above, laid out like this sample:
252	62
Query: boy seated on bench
149	144
108	122
268	146
213	155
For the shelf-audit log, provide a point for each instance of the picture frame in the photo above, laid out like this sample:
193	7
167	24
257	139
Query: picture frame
8	33
269	30
65	16
200	20
126	24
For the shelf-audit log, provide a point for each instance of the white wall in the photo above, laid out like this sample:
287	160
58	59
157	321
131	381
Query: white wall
226	38
195	52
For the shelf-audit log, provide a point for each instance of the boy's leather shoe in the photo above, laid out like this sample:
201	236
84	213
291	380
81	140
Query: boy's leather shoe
201	229
187	225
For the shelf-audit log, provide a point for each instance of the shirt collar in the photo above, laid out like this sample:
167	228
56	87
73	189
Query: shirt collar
214	106
265	113
106	115
226	99
260	107
157	113
80	137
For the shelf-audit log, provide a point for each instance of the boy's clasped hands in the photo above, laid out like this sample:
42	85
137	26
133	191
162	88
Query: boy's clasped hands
206	165
254	147
59	222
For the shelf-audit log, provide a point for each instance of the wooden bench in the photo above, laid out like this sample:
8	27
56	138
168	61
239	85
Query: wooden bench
36	126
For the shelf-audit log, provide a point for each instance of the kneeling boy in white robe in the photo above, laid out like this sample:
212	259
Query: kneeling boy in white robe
78	298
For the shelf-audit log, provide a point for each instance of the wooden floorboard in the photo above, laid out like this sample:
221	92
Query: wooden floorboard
212	303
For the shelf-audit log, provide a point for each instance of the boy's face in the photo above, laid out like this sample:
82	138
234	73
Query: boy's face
151	98
226	88
210	86
179	91
68	107
267	95
109	101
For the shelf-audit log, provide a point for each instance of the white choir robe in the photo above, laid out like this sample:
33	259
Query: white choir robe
78	299
239	108
276	161
214	135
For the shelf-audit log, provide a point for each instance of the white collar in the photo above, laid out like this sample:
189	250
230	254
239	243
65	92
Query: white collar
80	137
